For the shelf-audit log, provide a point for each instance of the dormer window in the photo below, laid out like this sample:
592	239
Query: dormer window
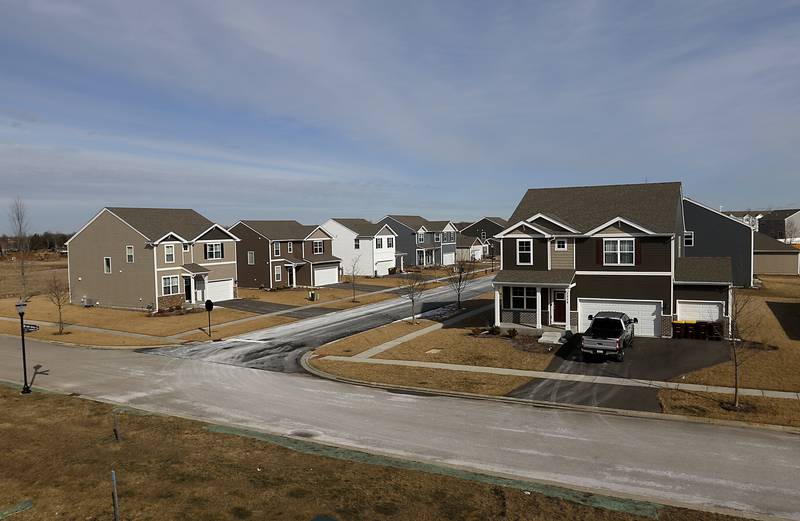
525	251
318	249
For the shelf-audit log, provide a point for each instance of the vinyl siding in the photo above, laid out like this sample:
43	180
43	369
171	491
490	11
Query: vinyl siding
653	254
562	259
634	287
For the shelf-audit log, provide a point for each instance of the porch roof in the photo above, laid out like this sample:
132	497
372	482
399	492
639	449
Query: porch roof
195	269
290	259
535	277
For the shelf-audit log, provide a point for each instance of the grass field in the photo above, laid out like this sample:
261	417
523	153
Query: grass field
774	411
174	469
39	273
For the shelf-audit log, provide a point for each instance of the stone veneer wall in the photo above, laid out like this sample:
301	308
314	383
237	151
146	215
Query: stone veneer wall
666	326
527	318
171	301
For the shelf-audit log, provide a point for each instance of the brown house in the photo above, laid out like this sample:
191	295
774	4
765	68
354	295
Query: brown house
574	252
151	258
284	254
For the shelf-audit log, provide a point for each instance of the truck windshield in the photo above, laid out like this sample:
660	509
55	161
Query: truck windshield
607	326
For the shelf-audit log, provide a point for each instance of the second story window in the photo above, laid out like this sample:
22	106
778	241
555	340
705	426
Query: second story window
483	235
357	244
107	265
289	247
169	253
561	245
437	237
251	258
378	243
525	251
318	248
129	254
214	250
688	239
618	252
186	246
420	237
390	242
276	249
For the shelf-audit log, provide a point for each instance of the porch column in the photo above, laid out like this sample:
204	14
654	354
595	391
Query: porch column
205	288
193	293
538	307
567	313
496	307
294	276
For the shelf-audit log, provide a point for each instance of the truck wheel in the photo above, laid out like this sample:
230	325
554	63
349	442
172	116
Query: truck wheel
620	356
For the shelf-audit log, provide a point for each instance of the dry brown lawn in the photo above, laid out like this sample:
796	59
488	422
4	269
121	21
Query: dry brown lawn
39	308
71	336
775	411
175	469
438	379
39	273
360	342
774	368
227	331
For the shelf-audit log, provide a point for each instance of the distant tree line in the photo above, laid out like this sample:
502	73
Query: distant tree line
52	241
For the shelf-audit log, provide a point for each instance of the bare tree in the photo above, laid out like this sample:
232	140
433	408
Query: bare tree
352	271
412	288
58	294
463	275
745	319
18	216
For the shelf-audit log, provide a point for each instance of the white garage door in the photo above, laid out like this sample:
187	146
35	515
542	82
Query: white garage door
324	275
448	259
698	310
219	290
647	312
382	268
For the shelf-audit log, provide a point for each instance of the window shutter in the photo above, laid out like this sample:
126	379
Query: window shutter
506	297
637	247
205	251
222	249
599	249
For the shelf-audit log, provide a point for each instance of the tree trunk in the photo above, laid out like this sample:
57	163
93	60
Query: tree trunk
60	322
413	315
735	378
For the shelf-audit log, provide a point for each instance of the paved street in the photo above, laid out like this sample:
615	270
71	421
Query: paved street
280	348
704	465
264	308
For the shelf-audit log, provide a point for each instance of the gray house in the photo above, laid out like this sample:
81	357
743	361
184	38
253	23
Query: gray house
710	233
425	243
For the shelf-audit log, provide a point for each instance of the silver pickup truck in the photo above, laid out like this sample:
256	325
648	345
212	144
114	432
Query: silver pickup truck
610	333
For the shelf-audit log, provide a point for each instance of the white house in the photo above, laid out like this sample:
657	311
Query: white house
470	248
370	247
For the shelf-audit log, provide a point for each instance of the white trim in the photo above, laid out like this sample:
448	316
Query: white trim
734	219
566	244
160	239
272	252
330	237
216	263
620	220
132	255
725	311
619	251
222	228
221	251
314	247
703	283
155	279
249	252
166	247
686	235
277	274
110	267
207	241
657	332
661	273
552	220
162	285
531	252
551	304
507	231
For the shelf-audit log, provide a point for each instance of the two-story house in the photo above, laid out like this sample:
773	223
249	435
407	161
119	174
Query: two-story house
425	243
364	247
151	258
573	252
486	228
285	254
783	225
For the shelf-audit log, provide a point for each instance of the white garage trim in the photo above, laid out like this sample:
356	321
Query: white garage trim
448	259
219	290
648	312
325	275
701	310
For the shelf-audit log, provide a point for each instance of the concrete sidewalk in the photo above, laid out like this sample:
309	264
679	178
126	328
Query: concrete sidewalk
568	377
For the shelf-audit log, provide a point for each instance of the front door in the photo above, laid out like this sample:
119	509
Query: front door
420	257
559	307
187	288
290	276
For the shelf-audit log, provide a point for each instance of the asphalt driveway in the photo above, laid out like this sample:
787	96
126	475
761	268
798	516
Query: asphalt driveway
650	359
265	308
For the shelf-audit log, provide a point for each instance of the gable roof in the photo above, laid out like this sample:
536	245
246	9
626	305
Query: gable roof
460	225
155	223
497	220
362	227
415	222
467	241
765	243
654	206
703	269
281	230
767	215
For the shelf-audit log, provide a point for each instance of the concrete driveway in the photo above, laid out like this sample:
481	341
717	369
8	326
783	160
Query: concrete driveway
265	308
650	359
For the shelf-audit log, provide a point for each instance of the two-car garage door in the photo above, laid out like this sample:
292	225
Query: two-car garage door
647	312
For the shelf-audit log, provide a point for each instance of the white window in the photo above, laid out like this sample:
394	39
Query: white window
106	265
483	235
437	237
251	258
420	237
525	251
318	249
378	243
561	244
277	273
169	253
390	242
214	250
185	246
688	239
169	285
289	247
618	252
276	249
520	298
129	254
357	244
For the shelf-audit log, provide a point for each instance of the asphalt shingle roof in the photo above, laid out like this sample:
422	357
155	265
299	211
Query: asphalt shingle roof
652	205
416	222
561	277
281	230
362	227
764	243
155	223
703	269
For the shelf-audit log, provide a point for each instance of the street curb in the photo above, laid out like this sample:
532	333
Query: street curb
304	362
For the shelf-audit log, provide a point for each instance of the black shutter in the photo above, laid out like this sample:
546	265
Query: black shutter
637	246
205	251
599	249
506	297
222	249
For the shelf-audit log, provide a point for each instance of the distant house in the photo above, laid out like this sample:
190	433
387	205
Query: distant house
285	254
773	257
152	258
783	225
368	247
486	228
425	243
470	249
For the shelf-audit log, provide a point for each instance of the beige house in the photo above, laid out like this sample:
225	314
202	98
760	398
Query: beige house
151	258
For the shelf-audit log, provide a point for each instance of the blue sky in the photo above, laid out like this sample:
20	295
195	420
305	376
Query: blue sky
445	109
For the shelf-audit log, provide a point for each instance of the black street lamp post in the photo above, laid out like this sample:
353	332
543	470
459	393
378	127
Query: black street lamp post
26	389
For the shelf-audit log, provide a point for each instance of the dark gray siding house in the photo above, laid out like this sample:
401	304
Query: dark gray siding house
424	242
710	233
486	228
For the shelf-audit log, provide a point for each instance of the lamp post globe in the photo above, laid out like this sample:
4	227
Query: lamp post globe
21	305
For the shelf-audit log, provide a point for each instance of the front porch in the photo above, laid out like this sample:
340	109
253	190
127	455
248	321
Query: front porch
426	257
533	307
